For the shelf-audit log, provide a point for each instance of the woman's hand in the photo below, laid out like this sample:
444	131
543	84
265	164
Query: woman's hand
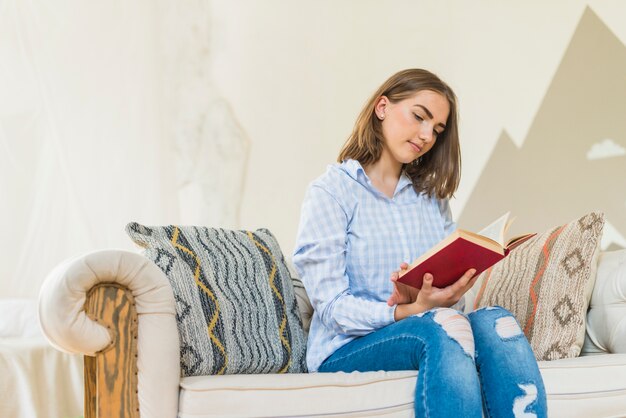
430	297
401	293
434	297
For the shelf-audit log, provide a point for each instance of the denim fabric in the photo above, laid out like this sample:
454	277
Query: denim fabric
510	379
463	372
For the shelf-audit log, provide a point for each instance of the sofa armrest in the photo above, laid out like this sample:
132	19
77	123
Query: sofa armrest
606	318
117	308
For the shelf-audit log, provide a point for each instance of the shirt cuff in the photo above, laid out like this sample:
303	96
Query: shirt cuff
385	313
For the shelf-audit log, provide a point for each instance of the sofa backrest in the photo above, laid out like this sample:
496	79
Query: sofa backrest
606	318
304	304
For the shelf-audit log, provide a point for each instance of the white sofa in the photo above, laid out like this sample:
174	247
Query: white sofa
123	382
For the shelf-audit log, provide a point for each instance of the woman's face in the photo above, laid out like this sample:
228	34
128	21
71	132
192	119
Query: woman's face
411	126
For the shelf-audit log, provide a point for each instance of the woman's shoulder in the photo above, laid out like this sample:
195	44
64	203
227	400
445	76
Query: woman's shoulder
338	182
338	177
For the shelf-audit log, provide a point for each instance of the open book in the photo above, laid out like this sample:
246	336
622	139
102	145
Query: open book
463	250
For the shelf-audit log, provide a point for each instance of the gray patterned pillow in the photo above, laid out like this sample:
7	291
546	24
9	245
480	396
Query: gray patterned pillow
235	303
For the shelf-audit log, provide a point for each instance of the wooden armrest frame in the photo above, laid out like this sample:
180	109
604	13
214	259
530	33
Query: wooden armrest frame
111	375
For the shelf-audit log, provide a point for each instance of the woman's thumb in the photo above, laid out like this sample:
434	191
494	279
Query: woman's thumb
427	281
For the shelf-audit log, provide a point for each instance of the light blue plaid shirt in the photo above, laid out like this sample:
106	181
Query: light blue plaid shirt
351	238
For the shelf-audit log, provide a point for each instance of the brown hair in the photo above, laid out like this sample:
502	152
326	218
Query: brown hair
436	173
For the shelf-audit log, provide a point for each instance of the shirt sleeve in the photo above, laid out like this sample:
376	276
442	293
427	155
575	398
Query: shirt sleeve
320	259
449	225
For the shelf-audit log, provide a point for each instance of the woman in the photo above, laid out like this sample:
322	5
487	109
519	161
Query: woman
384	203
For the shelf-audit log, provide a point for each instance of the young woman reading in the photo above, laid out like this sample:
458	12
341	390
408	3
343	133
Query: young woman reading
386	202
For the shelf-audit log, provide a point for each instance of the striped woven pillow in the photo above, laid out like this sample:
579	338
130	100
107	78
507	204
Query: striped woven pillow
235	303
547	284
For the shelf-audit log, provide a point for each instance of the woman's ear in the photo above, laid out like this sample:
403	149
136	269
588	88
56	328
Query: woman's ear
381	107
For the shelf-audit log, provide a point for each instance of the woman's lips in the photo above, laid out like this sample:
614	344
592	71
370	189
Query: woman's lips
415	147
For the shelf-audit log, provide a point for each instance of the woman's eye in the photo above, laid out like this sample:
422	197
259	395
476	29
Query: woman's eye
418	117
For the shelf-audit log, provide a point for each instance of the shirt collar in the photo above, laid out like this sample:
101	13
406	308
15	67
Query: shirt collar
404	181
355	170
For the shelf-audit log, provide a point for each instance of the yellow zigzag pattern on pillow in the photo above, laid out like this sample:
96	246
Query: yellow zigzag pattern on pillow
215	317
283	322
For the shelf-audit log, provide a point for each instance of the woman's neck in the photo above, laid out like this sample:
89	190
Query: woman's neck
384	173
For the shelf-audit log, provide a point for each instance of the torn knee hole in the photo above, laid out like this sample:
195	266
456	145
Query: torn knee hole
507	327
521	403
457	327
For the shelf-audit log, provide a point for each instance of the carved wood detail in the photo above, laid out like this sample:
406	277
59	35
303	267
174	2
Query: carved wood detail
111	375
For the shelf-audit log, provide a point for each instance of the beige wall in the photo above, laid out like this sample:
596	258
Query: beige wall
161	112
573	159
297	73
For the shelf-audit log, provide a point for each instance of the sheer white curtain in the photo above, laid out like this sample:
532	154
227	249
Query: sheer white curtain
211	147
90	137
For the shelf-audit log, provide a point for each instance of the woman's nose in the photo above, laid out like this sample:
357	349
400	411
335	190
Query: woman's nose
425	134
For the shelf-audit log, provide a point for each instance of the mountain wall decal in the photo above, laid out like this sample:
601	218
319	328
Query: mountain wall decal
550	180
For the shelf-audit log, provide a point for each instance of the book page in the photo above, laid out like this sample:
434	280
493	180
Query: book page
518	240
496	229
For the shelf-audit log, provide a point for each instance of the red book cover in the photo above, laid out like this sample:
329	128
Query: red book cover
455	255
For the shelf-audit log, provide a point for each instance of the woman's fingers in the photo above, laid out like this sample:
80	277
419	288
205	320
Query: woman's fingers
447	296
401	293
427	282
470	284
396	274
463	281
394	298
469	278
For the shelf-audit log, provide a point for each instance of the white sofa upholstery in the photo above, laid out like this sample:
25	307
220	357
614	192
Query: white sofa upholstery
593	385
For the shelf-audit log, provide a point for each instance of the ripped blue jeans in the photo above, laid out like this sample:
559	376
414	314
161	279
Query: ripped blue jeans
468	366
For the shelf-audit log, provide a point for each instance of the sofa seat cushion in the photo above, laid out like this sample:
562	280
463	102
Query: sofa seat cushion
588	386
580	387
356	394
